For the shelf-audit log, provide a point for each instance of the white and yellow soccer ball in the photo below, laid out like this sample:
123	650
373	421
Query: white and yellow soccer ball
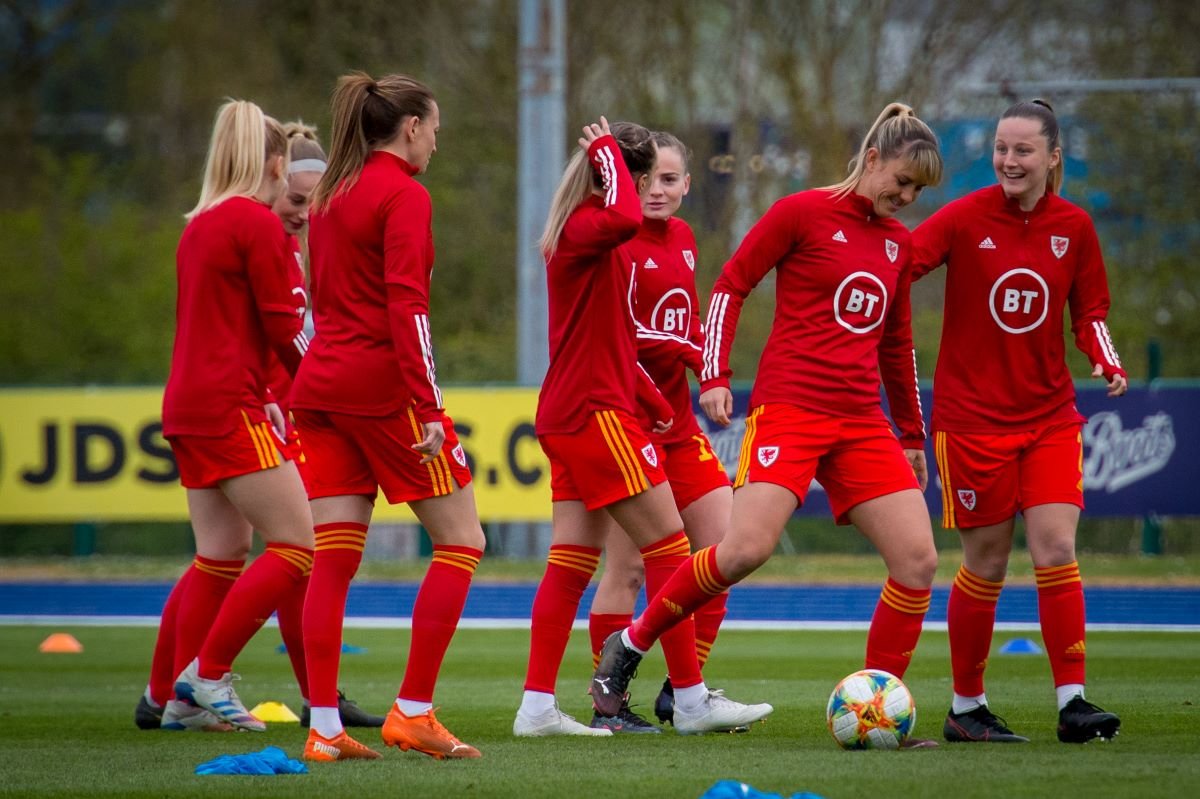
870	709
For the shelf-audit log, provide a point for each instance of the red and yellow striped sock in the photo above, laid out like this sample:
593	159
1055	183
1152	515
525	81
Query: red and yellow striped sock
250	602
1062	615
602	625
436	611
162	675
336	557
205	592
662	559
696	582
708	623
569	569
971	618
290	615
896	626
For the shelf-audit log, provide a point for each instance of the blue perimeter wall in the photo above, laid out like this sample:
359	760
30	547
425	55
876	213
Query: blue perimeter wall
764	605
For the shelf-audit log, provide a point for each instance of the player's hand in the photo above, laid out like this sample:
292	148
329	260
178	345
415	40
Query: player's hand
1117	386
593	131
431	444
662	427
916	459
275	417
717	404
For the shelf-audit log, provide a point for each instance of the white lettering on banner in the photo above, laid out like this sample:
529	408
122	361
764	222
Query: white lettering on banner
1119	457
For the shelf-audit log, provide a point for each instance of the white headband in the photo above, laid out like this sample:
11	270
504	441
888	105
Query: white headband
307	165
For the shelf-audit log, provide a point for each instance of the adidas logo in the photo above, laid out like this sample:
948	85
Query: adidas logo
675	609
1077	648
650	264
840	236
987	244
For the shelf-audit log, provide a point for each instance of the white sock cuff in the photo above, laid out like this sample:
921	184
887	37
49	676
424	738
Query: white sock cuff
965	704
412	707
625	639
326	721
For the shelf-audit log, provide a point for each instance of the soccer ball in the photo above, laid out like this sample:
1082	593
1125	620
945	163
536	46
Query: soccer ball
870	709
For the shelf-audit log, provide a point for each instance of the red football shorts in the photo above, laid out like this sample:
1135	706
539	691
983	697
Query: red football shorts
692	468
204	461
854	460
607	460
357	455
987	478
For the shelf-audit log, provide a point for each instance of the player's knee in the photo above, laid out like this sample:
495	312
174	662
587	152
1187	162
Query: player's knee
921	568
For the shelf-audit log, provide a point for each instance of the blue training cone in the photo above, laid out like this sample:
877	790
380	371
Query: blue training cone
1021	646
347	649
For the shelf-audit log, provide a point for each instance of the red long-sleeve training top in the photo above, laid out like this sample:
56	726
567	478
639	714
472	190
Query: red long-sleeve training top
666	310
1010	273
371	258
234	312
593	348
842	314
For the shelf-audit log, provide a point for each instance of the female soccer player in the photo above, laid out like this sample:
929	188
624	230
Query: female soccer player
842	318
235	308
602	465
368	406
1007	434
670	341
306	165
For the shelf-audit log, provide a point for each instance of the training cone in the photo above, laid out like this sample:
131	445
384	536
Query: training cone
1020	646
274	711
61	643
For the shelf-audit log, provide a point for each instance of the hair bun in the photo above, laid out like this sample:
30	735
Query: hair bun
1043	103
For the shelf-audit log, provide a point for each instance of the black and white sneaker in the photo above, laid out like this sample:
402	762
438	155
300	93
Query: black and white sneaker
1081	721
664	703
147	716
626	721
979	726
610	683
352	715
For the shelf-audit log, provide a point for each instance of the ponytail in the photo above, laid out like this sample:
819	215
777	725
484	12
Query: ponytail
243	140
574	187
304	150
366	113
1040	111
896	132
637	151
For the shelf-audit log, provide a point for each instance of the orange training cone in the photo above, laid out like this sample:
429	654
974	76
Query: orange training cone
61	642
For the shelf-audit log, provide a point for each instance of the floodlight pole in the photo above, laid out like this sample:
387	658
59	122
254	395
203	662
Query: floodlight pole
541	153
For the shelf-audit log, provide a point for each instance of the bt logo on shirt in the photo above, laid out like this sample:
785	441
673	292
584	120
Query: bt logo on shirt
1019	301
672	313
860	302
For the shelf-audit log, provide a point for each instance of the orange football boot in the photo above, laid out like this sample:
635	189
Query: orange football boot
424	733
342	747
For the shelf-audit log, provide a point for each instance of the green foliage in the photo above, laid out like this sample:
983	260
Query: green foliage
92	298
69	729
107	108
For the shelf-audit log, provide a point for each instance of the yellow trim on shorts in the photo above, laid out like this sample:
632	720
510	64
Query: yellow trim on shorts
940	446
622	451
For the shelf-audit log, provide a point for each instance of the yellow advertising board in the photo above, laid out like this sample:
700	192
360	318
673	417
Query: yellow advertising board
97	454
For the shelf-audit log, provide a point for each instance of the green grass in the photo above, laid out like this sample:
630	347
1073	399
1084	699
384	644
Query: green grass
67	724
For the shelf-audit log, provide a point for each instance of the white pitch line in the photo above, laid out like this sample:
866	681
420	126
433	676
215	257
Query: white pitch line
405	622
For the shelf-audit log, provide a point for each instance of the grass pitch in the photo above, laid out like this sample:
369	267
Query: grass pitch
68	731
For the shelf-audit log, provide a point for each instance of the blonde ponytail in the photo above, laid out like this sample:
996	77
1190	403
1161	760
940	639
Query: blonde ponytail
897	131
243	140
